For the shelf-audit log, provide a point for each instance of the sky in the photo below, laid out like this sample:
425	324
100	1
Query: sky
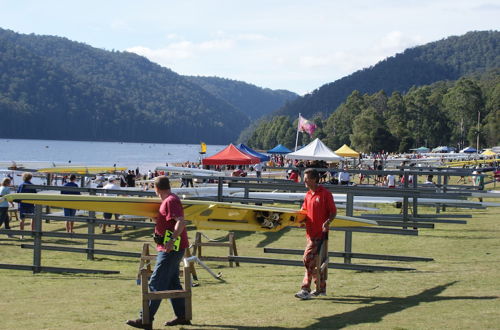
298	45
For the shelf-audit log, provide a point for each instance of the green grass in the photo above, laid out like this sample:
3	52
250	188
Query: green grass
459	290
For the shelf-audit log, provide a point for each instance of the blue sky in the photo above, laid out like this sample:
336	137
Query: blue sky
279	44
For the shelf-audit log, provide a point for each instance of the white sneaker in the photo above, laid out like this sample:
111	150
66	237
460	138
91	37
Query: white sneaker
318	293
303	295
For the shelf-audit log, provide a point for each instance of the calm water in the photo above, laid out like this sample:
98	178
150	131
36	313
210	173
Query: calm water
42	153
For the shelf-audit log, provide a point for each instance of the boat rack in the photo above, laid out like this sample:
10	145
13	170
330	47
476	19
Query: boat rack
406	223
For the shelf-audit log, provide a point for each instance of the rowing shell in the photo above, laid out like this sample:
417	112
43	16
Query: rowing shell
82	169
471	162
204	214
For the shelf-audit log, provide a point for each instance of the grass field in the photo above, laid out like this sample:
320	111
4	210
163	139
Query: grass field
460	289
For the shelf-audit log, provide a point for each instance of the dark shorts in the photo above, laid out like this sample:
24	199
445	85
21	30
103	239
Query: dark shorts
25	208
108	216
69	212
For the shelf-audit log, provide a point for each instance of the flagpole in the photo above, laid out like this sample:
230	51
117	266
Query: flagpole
297	137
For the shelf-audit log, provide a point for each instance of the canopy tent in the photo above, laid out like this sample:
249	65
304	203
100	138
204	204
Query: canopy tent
250	151
231	156
346	151
444	149
279	149
421	149
488	152
316	150
469	150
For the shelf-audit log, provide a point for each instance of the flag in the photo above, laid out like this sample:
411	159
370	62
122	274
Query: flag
203	147
306	126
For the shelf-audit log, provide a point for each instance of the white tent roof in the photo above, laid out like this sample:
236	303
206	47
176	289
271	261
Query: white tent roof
316	150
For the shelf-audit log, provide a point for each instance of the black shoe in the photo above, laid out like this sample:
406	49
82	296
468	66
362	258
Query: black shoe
318	293
138	324
177	321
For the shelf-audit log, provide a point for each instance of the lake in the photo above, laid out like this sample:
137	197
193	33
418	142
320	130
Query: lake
43	153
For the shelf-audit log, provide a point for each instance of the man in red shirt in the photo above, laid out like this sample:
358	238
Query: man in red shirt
320	211
294	176
169	223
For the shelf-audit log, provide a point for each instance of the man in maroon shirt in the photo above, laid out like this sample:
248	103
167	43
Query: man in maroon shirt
320	211
171	241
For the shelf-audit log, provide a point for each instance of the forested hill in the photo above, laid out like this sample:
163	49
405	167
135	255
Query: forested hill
447	59
54	88
452	113
252	100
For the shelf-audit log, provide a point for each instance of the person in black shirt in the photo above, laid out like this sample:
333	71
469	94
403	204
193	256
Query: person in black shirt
25	208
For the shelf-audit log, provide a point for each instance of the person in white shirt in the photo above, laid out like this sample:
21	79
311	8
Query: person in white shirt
258	169
4	205
390	181
344	177
111	185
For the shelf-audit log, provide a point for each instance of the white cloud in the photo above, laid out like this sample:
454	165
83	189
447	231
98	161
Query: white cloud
215	45
315	61
177	49
279	60
166	56
394	42
487	7
252	37
173	36
181	51
120	25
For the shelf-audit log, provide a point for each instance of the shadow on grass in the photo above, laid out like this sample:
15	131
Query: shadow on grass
62	241
373	313
76	241
119	259
81	276
238	234
461	237
9	241
448	230
139	233
270	237
273	237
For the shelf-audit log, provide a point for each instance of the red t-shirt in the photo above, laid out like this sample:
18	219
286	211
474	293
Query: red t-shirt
170	209
318	205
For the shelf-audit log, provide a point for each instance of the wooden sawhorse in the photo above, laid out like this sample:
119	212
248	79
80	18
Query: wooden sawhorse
231	245
144	274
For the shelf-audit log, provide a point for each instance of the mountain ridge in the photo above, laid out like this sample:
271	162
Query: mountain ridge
445	59
253	100
61	89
